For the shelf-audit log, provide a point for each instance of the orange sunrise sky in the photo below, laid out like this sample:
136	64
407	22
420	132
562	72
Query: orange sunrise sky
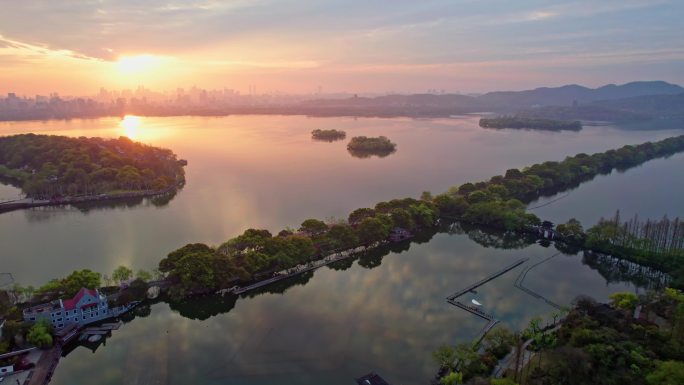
340	46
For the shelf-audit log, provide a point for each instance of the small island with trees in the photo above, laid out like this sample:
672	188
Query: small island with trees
328	135
364	147
530	123
58	169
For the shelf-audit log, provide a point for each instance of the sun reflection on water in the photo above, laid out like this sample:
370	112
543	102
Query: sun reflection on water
131	126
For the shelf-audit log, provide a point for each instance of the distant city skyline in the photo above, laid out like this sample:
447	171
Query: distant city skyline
334	46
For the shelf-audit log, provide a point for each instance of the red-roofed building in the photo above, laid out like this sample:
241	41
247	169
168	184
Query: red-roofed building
86	307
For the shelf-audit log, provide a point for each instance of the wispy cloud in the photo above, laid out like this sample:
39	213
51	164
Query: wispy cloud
324	36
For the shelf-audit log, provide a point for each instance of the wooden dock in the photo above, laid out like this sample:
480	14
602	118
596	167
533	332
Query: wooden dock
486	279
44	369
523	274
105	327
472	310
16	353
491	320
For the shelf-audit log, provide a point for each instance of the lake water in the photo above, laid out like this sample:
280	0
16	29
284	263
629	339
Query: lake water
265	171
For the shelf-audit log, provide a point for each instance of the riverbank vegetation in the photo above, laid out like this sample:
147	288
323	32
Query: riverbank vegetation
47	166
497	203
364	147
328	135
594	344
123	288
657	244
530	123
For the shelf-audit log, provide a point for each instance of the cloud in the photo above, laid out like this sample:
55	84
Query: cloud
324	36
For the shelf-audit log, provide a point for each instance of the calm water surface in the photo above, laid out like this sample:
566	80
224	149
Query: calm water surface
265	171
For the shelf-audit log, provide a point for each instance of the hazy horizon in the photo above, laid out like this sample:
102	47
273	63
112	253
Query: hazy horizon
335	46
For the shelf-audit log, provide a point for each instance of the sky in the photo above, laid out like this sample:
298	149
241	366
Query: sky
356	46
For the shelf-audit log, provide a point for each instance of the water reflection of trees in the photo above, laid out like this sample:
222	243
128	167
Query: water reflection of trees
10	182
612	269
280	287
615	270
203	307
380	153
490	237
39	214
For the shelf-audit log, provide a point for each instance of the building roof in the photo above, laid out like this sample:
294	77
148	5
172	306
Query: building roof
70	304
371	379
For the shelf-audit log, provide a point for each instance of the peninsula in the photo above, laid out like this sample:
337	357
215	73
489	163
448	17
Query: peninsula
258	256
530	123
58	169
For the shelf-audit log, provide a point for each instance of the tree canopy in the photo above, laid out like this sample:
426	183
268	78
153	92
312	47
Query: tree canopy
45	166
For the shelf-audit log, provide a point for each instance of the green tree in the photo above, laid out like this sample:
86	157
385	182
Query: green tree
572	231
342	236
479	197
667	373
466	355
313	227
168	264
466	188
453	378
78	279
122	273
40	334
624	301
372	230
195	273
451	205
445	356
426	196
402	218
358	215
143	275
499	341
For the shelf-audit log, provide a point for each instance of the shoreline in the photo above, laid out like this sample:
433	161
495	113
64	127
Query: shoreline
27	203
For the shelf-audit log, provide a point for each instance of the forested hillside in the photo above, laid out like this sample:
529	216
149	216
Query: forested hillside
46	166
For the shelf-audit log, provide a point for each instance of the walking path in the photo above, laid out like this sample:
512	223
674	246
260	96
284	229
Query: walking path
42	374
491	321
487	279
505	363
299	269
30	202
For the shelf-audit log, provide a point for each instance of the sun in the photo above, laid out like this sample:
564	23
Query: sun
135	65
131	126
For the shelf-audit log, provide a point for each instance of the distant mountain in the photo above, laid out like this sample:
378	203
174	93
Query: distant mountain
610	103
584	113
658	106
414	100
652	111
395	105
567	95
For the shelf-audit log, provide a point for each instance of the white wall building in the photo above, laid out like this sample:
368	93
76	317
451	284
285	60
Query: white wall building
86	307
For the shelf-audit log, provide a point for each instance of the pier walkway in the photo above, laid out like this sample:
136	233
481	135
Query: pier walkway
487	279
473	310
26	203
491	320
300	269
523	274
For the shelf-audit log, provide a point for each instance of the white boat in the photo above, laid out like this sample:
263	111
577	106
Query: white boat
475	302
